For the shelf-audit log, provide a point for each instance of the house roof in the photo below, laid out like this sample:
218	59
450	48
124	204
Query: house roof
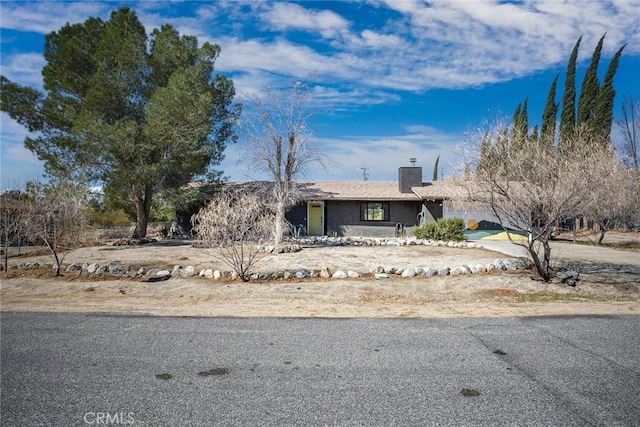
354	190
368	190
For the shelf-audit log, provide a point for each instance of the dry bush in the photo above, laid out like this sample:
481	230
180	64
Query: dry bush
59	218
533	187
234	227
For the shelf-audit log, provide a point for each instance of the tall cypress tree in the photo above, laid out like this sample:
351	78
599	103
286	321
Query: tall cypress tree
520	124
548	130
590	88
435	169
604	104
568	114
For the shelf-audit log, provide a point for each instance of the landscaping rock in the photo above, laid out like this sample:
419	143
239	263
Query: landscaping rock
430	272
325	273
339	275
460	270
74	268
408	272
381	276
176	270
353	274
116	269
444	271
302	274
477	268
157	275
91	268
188	271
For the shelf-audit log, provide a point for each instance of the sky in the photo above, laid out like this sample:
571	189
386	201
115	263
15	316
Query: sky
391	79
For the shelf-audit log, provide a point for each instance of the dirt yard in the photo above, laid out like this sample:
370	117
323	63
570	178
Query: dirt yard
609	284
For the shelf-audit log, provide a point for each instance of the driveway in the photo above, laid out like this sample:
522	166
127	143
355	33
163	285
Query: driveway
87	369
567	251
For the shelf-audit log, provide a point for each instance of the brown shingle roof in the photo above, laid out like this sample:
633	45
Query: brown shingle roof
355	190
368	190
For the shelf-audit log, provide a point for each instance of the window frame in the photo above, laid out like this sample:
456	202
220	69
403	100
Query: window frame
367	211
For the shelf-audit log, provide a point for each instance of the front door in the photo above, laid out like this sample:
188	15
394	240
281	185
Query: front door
315	218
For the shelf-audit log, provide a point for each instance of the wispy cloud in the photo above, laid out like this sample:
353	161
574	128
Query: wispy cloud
285	16
25	68
44	16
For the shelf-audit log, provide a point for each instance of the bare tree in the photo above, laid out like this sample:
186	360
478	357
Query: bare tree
529	186
235	226
14	221
282	144
59	218
629	125
615	201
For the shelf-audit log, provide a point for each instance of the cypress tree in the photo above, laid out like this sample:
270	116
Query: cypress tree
568	114
435	169
548	131
604	104
590	88
520	125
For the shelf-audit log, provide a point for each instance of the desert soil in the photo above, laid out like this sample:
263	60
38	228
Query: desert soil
609	286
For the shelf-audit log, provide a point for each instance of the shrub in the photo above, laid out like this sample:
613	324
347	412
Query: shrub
447	229
427	231
451	229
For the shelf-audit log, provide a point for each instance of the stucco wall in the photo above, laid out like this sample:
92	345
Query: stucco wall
343	217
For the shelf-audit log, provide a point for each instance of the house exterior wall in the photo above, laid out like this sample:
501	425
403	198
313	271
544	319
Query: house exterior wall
432	210
343	218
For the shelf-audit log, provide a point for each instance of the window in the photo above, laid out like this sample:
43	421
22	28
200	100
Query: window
374	211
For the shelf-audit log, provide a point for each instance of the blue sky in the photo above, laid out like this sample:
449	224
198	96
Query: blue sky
392	79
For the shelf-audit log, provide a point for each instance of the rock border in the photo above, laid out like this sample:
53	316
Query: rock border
117	269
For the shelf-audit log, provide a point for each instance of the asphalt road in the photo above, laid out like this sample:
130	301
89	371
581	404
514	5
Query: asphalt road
87	369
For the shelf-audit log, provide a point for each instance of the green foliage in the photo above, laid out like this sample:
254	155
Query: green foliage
435	169
446	229
548	130
132	113
568	114
590	88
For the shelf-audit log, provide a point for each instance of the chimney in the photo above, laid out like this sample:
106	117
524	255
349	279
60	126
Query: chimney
409	177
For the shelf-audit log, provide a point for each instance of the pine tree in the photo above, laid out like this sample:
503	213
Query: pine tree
568	114
590	88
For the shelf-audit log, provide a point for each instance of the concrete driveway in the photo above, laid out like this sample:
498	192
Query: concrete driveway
567	251
85	369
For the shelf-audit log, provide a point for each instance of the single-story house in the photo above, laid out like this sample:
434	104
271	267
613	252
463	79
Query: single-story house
367	208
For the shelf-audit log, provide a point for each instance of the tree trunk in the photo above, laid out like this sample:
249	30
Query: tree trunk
279	225
541	265
142	202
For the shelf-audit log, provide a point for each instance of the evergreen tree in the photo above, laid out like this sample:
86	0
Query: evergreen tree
590	88
548	130
568	114
435	169
604	103
138	118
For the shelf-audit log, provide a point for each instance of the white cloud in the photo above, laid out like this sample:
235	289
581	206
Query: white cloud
24	68
284	16
44	17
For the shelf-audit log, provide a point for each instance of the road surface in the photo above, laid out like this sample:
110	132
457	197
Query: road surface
88	369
